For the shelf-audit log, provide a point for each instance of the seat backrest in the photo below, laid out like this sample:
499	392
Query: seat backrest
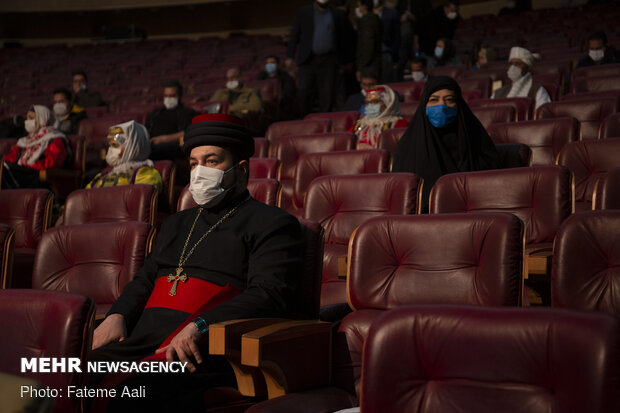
261	147
341	121
264	168
513	155
308	291
610	128
136	202
47	324
452	71
546	137
595	71
313	165
278	130
265	190
96	129
7	241
494	114
78	155
589	112
408	109
607	191
495	74
522	106
6	144
408	91
289	149
28	212
96	260
595	83
590	95
389	138
541	196
585	274
589	161
167	170
427	359
483	84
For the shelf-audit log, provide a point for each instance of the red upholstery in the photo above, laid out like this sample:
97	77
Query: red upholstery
7	241
265	190
596	71
552	89
546	137
341	203
167	170
6	144
590	113
589	161
408	91
452	71
522	106
341	121
590	95
494	114
136	202
585	274
46	324
493	73
481	84
264	168
279	130
541	196
595	83
97	129
261	147
96	260
610	128
389	139
431	359
607	191
408	109
97	111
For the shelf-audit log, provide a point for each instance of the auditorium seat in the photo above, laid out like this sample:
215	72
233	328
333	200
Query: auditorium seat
47	324
610	128
451	71
553	89
585	274
481	84
341	121
589	161
96	260
408	91
522	106
62	181
591	95
261	147
265	190
7	241
513	155
97	111
490	115
29	213
607	191
397	261
595	83
6	144
495	74
590	113
167	170
264	168
546	137
426	359
136	202
278	130
341	203
408	109
596	71
389	138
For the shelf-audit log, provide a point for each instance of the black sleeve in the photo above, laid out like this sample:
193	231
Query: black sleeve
295	36
186	118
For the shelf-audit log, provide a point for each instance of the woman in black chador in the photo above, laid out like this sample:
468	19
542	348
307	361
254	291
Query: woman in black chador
443	137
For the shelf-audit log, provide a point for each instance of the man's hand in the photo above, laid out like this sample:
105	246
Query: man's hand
111	330
183	346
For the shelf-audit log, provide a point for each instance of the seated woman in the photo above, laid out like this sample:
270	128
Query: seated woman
443	137
127	157
382	111
43	148
444	54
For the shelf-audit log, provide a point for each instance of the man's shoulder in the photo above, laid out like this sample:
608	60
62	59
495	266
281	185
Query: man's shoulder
267	215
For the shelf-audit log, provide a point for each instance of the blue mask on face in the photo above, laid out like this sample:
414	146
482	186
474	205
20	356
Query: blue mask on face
438	52
271	68
372	110
441	115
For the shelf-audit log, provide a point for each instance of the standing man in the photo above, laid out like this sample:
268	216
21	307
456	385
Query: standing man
440	23
317	36
391	40
369	39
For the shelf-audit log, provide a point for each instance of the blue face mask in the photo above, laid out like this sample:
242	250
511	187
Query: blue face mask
441	115
372	110
271	67
438	52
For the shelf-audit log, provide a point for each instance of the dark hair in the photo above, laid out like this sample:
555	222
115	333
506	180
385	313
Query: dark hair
598	36
272	56
455	2
419	59
368	3
63	91
175	84
81	73
369	72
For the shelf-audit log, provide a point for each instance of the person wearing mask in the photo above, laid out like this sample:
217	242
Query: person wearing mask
128	158
67	114
45	147
381	112
369	38
485	55
418	69
241	100
443	137
82	96
287	84
440	23
444	54
390	40
368	80
599	52
411	13
520	74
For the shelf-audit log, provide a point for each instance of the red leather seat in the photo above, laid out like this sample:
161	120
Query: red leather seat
167	170
546	137
590	113
389	139
264	168
64	181
278	130
589	161
590	95
481	84
494	114
408	91
97	111
522	106
451	71
428	359
408	109
341	203
6	144
585	274
607	191
595	83
595	71
7	241
96	260
265	190
261	147
610	128
493	73
341	121
47	324
29	213
137	202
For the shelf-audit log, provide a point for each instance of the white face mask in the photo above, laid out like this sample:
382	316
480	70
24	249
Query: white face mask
205	185
596	55
358	13
113	157
60	108
232	84
452	15
30	125
171	102
418	76
514	73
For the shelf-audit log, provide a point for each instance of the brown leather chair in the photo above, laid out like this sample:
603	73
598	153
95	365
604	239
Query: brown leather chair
408	91
585	274
522	106
395	261
594	71
265	190
47	324
494	114
389	138
595	83
167	170
312	165
341	121
96	260
7	241
607	191
29	213
590	113
137	202
63	181
427	359
483	84
261	147
340	204
610	128
546	137
589	161
264	168
278	130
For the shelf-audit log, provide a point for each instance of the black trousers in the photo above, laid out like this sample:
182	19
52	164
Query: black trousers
319	74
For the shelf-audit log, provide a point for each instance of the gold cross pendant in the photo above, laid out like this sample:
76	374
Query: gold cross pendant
174	279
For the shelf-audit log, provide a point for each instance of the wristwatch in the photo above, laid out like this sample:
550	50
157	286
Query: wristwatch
202	325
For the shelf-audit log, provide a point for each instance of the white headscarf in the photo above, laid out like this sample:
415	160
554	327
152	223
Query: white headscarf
522	86
137	147
523	54
35	143
369	129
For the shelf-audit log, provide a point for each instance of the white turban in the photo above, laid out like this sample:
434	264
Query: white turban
524	55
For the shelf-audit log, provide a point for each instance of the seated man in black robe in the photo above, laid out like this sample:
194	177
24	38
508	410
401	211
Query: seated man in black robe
230	258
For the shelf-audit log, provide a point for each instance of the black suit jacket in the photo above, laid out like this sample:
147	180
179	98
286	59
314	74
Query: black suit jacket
391	30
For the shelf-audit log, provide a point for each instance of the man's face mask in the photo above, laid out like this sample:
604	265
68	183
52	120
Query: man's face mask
271	68
514	73
232	84
417	76
596	55
60	108
206	185
452	15
171	102
441	115
438	52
